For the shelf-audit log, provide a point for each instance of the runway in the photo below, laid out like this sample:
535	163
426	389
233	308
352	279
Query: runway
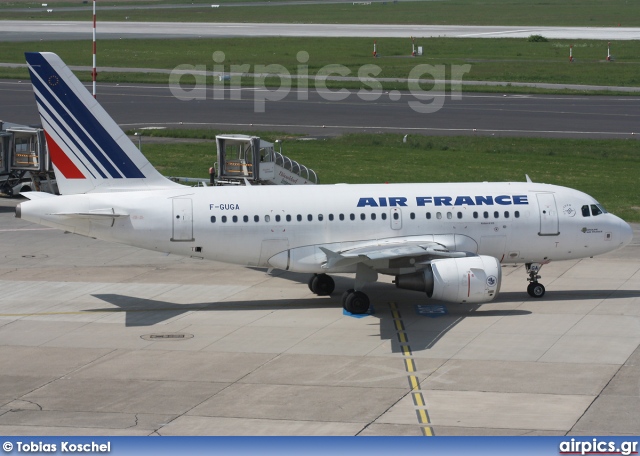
101	339
322	114
61	30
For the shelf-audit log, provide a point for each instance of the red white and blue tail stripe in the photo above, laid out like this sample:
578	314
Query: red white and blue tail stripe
89	151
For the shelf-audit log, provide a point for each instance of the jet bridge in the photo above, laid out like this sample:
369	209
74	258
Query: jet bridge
244	158
24	155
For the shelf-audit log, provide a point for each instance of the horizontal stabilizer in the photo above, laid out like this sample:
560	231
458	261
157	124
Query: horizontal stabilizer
37	195
95	214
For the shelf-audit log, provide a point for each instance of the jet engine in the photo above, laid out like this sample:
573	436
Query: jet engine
471	279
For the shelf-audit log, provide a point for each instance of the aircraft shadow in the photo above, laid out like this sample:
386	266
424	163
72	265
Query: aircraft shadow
428	331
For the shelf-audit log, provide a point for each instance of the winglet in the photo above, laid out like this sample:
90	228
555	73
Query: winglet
528	179
335	259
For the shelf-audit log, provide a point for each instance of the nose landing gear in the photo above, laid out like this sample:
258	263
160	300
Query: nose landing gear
535	289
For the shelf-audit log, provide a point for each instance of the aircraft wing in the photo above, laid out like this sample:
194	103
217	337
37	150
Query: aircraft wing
422	251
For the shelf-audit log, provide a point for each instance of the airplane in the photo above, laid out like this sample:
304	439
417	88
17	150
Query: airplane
446	240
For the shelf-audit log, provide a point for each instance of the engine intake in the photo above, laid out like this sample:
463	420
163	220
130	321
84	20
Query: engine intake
472	279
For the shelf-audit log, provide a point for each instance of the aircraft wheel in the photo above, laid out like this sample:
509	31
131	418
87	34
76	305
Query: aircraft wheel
345	295
357	303
322	285
310	282
536	290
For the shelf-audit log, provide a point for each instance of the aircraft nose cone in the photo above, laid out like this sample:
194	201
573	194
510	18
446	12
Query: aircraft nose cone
626	233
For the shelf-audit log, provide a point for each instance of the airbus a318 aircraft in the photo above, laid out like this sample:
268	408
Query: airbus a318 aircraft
445	240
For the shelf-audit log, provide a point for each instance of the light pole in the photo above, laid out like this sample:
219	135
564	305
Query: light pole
139	135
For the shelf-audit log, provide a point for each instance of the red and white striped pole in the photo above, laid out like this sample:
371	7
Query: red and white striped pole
375	53
413	47
571	53
94	73
609	51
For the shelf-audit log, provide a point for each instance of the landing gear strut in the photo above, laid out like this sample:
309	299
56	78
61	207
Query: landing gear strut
321	284
535	289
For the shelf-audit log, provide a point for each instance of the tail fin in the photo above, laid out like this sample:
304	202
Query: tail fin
89	151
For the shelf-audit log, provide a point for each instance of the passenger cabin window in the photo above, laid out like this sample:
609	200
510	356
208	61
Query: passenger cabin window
288	218
213	219
506	214
267	218
459	215
373	216
412	216
496	214
299	217
256	218
384	216
331	217
245	218
485	214
516	214
428	215
438	215
363	216
235	219
396	216
224	219
475	215
320	217
352	216
310	217
341	217
277	218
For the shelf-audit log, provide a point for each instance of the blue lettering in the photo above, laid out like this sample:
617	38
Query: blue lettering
363	202
422	200
520	199
505	200
397	201
383	201
480	200
442	200
462	200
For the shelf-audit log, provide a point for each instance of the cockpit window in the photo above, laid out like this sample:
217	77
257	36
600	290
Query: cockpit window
595	210
585	211
604	211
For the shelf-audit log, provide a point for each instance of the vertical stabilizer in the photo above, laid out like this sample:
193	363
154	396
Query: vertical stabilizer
89	151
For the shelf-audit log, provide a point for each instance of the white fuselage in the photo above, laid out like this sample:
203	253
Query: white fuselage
253	226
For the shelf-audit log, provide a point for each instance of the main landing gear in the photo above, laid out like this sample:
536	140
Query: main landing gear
535	289
321	284
353	300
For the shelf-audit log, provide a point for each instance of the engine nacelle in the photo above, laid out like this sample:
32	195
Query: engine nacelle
470	279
